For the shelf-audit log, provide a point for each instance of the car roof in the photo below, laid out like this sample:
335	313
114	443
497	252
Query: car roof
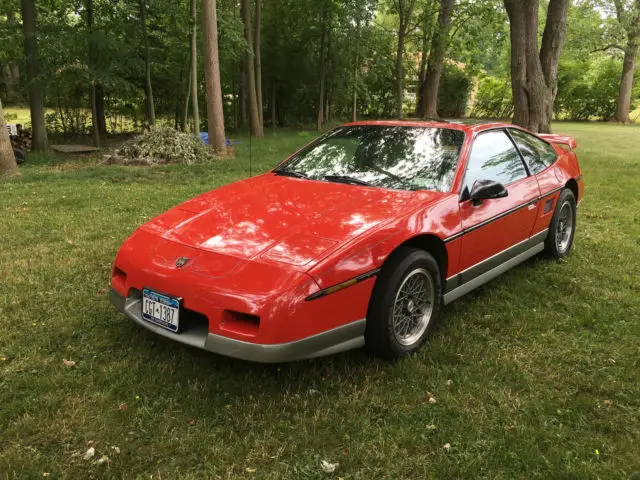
468	126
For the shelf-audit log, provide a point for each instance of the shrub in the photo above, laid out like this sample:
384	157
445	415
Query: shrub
453	93
162	145
493	98
589	89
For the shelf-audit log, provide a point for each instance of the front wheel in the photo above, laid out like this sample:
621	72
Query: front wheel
404	304
563	226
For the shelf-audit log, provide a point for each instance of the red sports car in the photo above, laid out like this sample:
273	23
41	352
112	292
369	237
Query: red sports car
358	239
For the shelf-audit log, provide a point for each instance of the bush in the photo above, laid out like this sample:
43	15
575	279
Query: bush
493	98
589	89
453	93
162	145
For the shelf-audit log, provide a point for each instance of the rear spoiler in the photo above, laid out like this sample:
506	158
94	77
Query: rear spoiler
560	139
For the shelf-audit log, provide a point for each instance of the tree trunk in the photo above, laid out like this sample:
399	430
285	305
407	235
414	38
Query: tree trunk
92	63
423	69
177	115
185	110
273	104
98	105
148	90
94	116
215	114
626	80
552	43
10	83
400	73
356	70
102	119
328	76
258	59
242	95
250	72
533	74
439	47
11	69
8	165
194	68
29	25
321	100
404	11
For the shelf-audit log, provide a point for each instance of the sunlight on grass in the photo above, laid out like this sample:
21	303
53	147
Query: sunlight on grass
543	361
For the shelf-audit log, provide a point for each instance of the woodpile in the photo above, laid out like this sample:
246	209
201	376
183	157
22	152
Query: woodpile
22	140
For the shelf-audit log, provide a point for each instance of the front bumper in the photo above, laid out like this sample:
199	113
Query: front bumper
196	334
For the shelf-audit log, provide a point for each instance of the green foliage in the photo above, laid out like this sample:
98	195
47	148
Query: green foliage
493	98
587	89
453	93
162	145
291	33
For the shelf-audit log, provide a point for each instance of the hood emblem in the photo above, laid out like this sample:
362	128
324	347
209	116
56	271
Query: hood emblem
181	262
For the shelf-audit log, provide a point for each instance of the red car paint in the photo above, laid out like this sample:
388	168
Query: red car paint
262	245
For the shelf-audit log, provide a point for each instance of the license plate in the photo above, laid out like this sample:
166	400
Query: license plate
160	309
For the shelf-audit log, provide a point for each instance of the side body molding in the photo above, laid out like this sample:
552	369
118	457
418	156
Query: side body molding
480	273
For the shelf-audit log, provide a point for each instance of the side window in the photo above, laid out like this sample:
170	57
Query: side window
538	154
493	157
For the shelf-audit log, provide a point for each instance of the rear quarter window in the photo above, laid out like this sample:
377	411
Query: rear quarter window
537	153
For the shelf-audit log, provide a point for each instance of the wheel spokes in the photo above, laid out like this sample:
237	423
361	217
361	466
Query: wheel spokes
412	307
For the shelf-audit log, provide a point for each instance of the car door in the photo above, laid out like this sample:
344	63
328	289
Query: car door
492	227
539	156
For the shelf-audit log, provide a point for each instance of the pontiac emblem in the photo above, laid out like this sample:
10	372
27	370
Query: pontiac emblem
181	262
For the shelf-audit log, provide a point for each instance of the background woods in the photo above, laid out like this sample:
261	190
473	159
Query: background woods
97	67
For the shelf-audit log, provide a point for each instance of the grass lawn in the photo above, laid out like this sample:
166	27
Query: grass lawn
544	361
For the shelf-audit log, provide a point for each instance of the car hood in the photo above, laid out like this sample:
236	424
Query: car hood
282	219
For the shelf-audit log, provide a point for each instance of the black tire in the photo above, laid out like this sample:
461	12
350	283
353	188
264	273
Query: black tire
560	239
380	335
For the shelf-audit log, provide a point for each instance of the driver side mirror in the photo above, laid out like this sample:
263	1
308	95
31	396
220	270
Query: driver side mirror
486	190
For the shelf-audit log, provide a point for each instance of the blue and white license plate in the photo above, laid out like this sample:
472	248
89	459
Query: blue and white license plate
160	309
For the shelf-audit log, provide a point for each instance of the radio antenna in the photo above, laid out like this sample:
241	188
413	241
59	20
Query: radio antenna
250	152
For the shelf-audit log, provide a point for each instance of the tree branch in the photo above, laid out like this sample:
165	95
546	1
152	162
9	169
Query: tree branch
607	47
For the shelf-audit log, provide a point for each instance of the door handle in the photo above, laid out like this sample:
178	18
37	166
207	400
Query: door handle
532	206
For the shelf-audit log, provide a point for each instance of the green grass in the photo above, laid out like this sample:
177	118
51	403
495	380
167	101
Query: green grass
545	361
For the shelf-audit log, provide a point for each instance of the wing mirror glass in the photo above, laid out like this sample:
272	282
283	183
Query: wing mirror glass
485	190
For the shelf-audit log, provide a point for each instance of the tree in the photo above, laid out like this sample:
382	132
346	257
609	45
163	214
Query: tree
250	72
10	64
405	10
193	76
92	62
324	26
215	114
148	89
534	74
439	44
628	16
258	60
8	165
356	67
36	101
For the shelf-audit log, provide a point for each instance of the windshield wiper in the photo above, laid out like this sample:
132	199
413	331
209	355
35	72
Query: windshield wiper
285	172
347	179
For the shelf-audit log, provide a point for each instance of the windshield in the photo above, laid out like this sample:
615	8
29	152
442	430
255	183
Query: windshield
398	157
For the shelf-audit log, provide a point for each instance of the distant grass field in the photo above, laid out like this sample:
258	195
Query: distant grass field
20	115
544	362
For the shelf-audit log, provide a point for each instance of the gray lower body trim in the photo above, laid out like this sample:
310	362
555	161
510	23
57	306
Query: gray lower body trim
488	269
340	339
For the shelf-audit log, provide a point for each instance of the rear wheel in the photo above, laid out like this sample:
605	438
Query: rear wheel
563	226
404	304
